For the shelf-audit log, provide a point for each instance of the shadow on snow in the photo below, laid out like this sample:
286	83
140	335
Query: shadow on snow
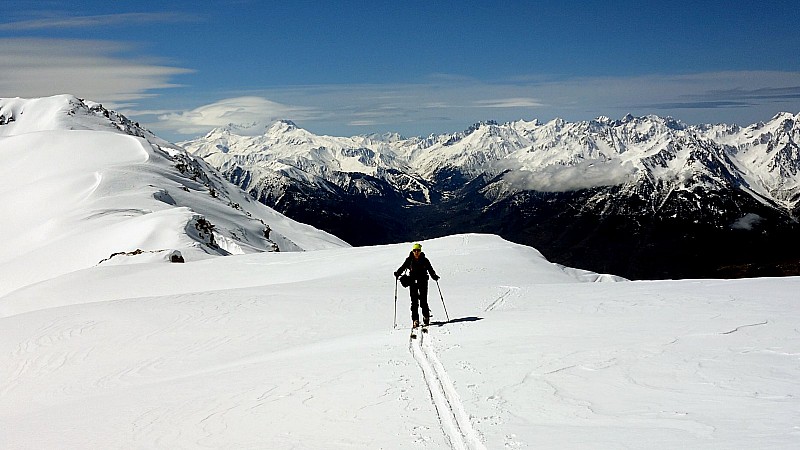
459	320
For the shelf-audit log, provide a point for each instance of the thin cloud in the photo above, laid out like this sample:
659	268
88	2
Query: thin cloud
363	123
519	102
104	20
700	105
732	98
240	111
434	106
87	68
768	93
708	97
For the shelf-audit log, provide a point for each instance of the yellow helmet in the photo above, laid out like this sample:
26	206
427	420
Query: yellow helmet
417	246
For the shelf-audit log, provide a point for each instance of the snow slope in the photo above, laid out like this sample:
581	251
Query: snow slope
298	350
79	184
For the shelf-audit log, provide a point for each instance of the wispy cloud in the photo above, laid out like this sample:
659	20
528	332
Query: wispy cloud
441	104
240	110
767	93
362	123
519	102
738	96
716	104
62	22
87	68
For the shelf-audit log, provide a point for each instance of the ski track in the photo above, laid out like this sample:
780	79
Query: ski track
454	420
500	301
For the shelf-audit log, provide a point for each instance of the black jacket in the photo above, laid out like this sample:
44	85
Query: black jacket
419	268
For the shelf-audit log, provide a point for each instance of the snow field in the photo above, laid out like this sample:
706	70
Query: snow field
297	350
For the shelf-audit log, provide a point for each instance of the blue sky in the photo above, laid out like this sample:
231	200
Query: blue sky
414	67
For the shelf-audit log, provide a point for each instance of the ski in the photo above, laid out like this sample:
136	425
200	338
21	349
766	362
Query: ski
419	327
424	332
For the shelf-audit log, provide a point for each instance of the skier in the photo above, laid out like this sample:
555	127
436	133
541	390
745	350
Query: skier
419	267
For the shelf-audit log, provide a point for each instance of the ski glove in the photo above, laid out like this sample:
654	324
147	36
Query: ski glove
397	274
435	277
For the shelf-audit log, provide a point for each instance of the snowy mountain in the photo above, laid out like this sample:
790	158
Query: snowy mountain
559	186
82	186
553	157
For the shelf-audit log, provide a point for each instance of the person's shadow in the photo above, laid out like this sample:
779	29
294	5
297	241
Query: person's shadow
458	320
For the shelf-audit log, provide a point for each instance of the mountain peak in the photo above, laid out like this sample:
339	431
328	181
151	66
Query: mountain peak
64	112
281	126
253	129
23	115
604	120
786	115
478	125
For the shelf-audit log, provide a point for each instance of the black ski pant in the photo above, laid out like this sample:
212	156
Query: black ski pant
419	298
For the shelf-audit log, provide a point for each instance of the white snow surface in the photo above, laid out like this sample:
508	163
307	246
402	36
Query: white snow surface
298	350
260	349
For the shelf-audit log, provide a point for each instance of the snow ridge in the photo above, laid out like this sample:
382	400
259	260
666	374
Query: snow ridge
81	186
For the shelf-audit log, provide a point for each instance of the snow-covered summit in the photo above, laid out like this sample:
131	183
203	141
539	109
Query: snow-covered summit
81	186
65	112
284	141
287	152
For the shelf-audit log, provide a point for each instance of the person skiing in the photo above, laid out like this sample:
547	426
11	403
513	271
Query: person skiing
419	266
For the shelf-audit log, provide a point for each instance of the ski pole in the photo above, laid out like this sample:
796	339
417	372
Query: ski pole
394	325
442	297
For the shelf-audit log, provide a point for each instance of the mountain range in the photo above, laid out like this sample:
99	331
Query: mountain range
642	197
